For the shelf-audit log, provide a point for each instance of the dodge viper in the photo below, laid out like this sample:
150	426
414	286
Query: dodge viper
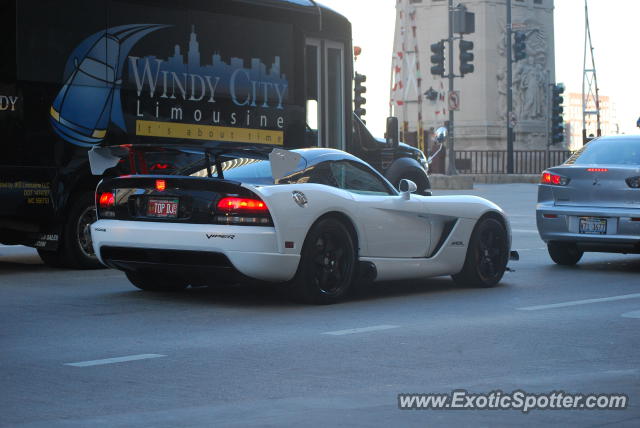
317	220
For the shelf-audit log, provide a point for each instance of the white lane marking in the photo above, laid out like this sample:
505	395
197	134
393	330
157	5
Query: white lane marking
632	314
531	249
581	302
114	360
360	330
524	231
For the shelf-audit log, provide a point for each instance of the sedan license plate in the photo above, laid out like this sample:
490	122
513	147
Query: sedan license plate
162	208
593	226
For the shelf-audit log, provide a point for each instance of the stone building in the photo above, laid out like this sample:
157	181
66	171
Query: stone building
480	124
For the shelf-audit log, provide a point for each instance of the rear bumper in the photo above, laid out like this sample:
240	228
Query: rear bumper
193	251
623	234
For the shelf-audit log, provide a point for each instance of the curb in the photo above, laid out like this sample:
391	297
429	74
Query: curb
506	178
451	182
466	181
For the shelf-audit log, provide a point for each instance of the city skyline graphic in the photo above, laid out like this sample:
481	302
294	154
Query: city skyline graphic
218	68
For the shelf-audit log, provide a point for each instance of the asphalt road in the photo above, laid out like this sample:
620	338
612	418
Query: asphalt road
244	356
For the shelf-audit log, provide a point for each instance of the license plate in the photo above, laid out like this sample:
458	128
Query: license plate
162	208
593	226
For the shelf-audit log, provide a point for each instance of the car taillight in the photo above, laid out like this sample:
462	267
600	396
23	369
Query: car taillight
241	204
553	179
106	204
242	211
633	182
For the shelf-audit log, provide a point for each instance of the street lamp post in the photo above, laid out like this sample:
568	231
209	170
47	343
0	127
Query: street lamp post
451	168
509	93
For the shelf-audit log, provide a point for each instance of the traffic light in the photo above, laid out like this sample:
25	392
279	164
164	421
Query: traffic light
466	56
520	46
358	100
437	59
557	121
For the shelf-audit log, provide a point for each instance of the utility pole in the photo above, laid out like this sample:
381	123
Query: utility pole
590	95
451	170
509	93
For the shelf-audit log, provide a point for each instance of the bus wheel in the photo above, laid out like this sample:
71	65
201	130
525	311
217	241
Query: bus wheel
75	249
77	246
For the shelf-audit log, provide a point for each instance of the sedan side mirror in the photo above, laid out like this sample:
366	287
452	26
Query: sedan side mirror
406	188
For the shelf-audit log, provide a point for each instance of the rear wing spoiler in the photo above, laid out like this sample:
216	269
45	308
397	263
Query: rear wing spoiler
283	162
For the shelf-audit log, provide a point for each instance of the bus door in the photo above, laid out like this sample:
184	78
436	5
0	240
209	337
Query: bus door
325	94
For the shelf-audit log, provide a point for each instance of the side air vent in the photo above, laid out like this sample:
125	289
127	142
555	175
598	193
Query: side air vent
446	231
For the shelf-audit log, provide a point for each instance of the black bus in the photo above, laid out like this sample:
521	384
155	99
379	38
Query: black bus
80	73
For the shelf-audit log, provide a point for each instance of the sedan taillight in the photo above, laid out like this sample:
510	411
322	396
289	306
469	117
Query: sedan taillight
243	212
553	179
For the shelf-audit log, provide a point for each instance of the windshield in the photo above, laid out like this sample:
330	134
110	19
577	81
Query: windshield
608	151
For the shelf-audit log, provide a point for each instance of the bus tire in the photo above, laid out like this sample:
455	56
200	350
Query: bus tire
77	247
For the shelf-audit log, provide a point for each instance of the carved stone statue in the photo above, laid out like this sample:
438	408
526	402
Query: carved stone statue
530	77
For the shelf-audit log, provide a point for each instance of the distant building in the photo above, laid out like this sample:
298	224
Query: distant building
481	121
573	118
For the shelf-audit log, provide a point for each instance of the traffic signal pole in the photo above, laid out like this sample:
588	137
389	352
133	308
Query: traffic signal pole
451	170
461	22
509	93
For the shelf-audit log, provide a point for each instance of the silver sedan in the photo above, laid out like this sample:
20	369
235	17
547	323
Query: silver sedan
592	201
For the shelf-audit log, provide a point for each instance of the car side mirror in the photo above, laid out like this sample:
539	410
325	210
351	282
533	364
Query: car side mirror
441	135
393	133
406	188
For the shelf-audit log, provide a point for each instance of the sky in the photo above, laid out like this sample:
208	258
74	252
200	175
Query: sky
612	22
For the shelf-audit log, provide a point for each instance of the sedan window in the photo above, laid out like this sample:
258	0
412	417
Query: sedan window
608	151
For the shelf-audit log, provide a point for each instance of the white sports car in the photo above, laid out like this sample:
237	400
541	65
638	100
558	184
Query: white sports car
315	219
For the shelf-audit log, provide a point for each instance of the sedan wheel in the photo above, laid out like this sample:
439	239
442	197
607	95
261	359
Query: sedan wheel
564	253
487	255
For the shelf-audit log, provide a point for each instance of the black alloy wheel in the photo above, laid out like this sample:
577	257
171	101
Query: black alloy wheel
487	255
327	264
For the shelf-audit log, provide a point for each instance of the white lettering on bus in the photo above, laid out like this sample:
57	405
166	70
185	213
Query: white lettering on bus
146	73
8	101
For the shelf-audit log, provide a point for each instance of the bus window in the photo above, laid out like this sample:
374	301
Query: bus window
335	96
313	93
325	94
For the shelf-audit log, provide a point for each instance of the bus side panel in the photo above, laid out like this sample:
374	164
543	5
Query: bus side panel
37	167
